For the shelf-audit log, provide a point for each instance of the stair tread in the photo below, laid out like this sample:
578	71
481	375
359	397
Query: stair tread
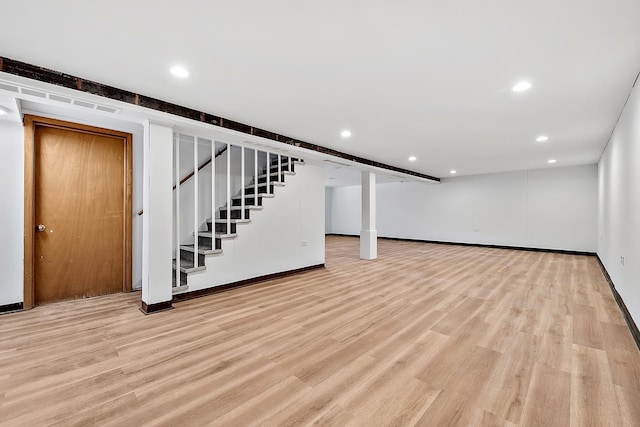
276	174
262	184
218	235
233	221
201	250
180	289
187	267
247	196
237	208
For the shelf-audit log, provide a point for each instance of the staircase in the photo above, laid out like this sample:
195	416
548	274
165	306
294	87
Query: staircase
224	224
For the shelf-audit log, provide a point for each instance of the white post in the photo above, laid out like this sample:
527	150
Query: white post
228	189
279	167
242	182
213	194
196	258
177	221
255	173
157	193
268	172
368	234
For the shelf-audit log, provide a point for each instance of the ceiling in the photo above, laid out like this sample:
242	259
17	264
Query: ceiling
414	78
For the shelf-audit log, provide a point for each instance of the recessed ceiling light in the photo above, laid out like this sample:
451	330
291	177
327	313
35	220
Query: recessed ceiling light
3	111
179	72
542	138
412	158
345	133
551	161
521	86
452	172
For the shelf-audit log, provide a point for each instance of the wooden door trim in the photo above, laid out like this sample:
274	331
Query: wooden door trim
30	123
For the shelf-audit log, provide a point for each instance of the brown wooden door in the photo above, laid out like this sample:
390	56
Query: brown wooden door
81	197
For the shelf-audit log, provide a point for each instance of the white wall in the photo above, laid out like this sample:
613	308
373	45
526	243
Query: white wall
552	208
619	206
328	209
287	234
12	212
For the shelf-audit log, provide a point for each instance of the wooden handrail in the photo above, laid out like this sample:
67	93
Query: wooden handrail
190	174
202	166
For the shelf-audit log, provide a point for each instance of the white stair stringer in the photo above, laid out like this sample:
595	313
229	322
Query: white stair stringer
229	244
287	234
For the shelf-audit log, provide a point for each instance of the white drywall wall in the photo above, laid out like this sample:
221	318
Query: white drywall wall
12	212
287	234
552	208
328	208
619	206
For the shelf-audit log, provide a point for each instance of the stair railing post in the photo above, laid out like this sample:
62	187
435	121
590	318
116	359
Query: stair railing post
177	216
228	189
213	194
241	182
268	171
255	173
279	167
196	258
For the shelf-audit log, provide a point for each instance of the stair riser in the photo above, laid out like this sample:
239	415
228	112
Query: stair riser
261	189
283	168
222	228
235	214
247	201
183	278
205	242
263	180
188	257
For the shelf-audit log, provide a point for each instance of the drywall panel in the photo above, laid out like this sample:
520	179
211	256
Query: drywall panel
328	207
551	208
619	206
12	212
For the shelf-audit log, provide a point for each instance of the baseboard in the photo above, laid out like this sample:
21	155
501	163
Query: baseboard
10	308
154	308
216	289
623	307
478	245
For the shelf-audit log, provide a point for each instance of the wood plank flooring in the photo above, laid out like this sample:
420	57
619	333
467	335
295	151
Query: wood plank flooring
429	335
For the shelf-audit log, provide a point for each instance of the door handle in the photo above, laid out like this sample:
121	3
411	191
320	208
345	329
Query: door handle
40	227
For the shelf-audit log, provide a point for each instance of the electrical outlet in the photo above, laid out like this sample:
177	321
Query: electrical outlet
304	243
622	259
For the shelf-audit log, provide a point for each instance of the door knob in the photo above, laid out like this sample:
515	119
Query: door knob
40	227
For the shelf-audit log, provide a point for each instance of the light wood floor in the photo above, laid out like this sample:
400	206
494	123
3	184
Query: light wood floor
427	335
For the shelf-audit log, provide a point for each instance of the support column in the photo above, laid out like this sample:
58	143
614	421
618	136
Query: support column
157	220
368	234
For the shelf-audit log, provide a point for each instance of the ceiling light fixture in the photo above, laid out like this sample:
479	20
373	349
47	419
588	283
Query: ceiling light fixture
179	72
542	138
3	111
521	86
453	172
551	161
412	158
345	133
